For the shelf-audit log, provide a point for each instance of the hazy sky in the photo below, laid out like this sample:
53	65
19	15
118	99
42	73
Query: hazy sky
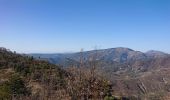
69	25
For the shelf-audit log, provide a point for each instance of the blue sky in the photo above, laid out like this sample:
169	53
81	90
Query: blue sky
49	26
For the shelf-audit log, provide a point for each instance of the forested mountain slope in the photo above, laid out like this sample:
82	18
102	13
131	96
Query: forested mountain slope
23	77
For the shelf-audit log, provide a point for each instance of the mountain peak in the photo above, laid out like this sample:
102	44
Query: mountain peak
122	49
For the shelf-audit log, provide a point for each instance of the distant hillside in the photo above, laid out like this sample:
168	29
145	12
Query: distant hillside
120	55
156	54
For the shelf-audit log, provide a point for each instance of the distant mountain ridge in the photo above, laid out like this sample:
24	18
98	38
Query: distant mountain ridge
120	55
155	54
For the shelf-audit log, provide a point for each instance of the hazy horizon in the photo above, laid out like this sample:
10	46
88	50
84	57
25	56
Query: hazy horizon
30	26
84	50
